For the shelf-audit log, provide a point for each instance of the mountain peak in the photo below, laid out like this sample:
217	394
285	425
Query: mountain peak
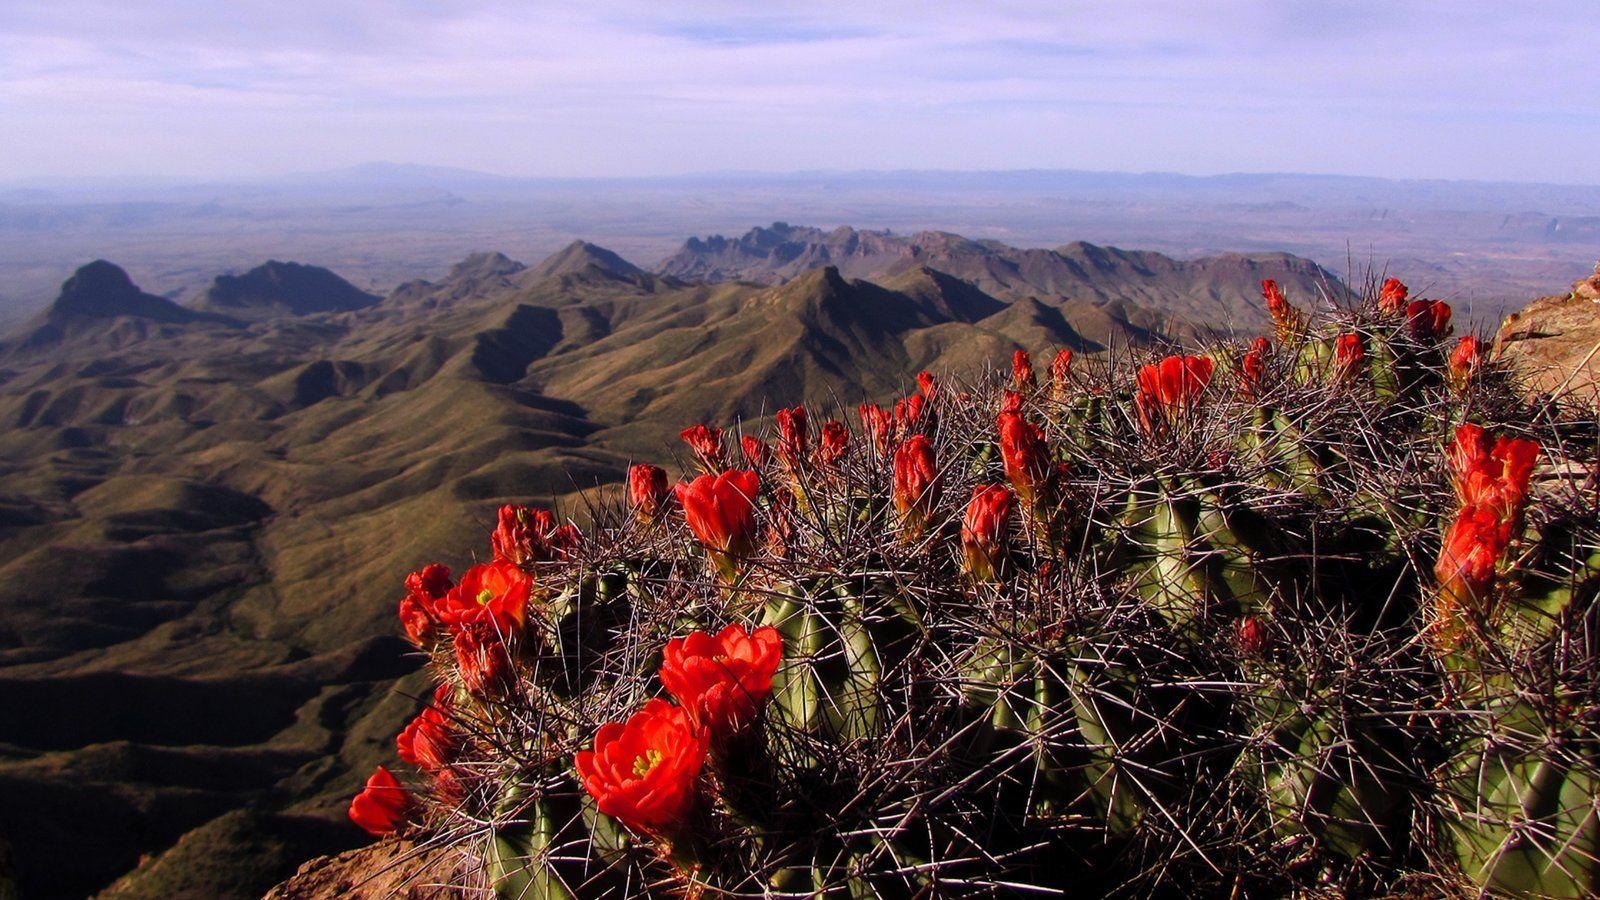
485	265
581	255
102	290
283	288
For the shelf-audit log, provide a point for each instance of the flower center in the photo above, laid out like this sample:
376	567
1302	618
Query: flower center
484	596
643	763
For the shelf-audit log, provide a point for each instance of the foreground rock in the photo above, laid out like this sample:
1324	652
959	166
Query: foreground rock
388	868
1555	342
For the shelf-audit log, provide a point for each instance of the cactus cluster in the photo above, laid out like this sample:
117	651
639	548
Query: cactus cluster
1315	613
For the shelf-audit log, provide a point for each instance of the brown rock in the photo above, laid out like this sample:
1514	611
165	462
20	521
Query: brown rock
389	868
1555	343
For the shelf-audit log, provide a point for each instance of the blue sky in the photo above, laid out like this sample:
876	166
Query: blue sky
1505	90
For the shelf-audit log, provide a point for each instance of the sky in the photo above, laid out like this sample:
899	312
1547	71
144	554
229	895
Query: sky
199	89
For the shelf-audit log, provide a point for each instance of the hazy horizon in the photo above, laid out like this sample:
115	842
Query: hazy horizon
621	89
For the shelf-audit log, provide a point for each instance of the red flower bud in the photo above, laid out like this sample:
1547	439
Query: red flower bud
1253	368
647	490
482	657
523	534
794	436
417	615
877	423
1348	354
908	415
834	444
1289	320
721	512
1428	320
1392	298
1252	637
1170	389
1010	402
722	680
984	530
917	484
756	452
430	741
1061	371
382	806
1027	458
927	385
643	772
1465	361
1022	371
706	444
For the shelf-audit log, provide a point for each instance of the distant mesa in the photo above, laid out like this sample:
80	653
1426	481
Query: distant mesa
581	256
283	289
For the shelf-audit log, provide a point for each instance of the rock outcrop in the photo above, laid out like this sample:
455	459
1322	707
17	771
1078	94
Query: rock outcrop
1555	342
389	868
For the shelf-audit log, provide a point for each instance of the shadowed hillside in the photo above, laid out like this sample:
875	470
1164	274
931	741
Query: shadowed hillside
202	514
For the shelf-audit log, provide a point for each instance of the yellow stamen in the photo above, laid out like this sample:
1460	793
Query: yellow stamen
644	763
484	596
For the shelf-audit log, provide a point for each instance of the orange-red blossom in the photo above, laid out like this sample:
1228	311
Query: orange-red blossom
720	510
722	679
643	772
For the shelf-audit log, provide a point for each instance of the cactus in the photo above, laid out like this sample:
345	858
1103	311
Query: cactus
1196	625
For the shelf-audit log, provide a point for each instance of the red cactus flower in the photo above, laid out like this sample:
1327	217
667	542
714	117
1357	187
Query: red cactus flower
496	593
721	512
1061	371
1026	457
1465	360
1289	320
643	772
417	616
1392	298
878	424
705	443
1177	381
1253	368
1022	376
1428	320
382	806
482	657
909	414
1349	352
1494	474
756	452
647	490
1170	389
834	443
1466	571
523	534
430	741
984	530
927	385
794	436
722	680
917	484
1010	402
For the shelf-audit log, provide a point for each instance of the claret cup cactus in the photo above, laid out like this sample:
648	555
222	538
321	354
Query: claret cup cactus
1315	614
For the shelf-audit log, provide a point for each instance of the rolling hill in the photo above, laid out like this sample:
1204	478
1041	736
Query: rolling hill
204	510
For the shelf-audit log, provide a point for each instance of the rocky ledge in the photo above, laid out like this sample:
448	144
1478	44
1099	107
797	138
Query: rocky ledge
1555	342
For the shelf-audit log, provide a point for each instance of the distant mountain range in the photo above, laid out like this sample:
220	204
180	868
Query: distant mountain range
206	508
